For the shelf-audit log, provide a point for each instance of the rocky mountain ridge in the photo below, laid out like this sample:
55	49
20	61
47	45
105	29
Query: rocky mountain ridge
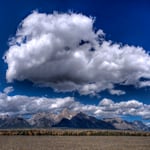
69	119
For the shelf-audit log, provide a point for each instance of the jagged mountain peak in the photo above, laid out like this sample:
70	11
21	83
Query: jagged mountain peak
68	119
65	113
82	115
14	122
82	120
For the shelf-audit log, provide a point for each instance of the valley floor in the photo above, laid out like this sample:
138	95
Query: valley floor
74	143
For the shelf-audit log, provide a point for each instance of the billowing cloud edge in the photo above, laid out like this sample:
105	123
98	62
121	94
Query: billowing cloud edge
65	52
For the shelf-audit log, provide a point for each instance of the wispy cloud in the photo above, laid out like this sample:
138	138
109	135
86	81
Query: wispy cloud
8	90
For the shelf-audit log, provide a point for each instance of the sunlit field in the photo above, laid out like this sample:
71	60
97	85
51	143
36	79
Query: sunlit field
74	143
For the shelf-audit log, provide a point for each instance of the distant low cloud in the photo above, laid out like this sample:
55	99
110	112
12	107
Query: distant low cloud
8	90
65	52
19	104
116	92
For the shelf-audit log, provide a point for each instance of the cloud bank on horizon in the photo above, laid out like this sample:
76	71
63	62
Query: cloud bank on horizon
21	105
64	51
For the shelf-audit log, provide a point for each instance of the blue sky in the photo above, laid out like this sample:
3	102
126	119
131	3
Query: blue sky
125	23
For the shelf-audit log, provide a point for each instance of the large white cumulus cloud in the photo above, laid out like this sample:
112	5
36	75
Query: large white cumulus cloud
64	51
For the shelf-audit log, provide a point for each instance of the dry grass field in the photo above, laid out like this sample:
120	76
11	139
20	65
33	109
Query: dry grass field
74	143
71	132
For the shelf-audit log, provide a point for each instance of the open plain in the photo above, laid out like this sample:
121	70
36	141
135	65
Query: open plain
74	143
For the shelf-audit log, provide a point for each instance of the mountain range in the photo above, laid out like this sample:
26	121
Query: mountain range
68	119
